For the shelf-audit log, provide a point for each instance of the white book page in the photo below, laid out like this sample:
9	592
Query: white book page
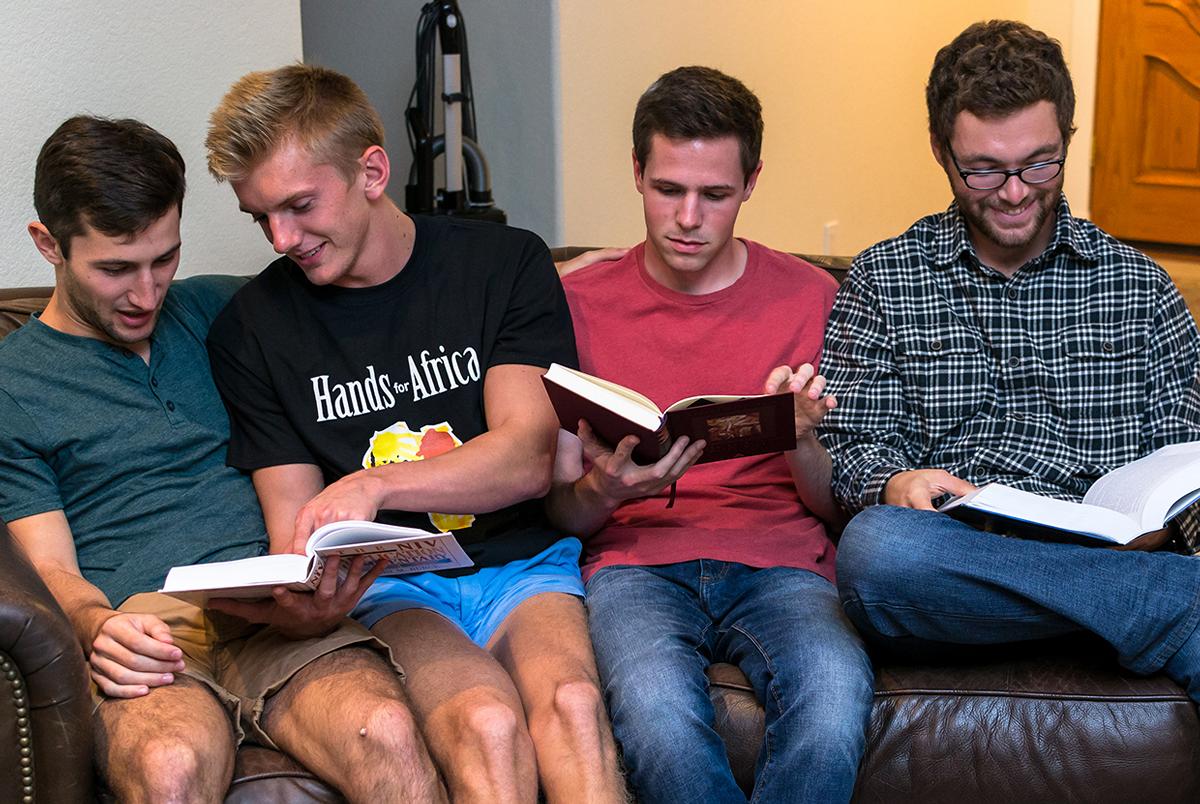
623	401
1029	507
358	531
1147	489
259	570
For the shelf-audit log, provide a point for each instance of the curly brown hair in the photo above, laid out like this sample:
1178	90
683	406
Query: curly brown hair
993	69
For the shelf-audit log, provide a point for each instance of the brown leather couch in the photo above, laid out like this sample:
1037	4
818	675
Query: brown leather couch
1047	722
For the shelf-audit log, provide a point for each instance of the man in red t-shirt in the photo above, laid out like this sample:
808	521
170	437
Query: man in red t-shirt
740	568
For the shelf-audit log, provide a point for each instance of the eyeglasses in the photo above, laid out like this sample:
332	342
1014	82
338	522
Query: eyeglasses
1037	173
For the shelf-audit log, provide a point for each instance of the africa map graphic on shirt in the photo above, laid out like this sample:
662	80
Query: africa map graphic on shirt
398	443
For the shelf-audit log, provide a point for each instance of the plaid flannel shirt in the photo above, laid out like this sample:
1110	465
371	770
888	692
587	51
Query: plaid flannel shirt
1086	359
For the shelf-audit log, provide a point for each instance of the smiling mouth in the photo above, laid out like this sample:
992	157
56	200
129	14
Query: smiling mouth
305	255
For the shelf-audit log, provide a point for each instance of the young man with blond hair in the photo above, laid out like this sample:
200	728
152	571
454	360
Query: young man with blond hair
388	366
112	470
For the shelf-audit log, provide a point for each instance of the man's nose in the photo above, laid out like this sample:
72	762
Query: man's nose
687	216
1013	191
283	236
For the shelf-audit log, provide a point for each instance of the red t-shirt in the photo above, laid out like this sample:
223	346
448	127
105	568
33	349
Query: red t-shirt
669	345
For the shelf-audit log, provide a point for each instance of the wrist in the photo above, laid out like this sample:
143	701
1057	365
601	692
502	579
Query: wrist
375	487
88	621
592	491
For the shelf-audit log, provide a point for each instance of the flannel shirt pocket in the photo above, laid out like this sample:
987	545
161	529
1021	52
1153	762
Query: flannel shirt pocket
1107	359
946	377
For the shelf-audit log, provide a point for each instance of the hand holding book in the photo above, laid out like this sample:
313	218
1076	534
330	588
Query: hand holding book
300	615
615	477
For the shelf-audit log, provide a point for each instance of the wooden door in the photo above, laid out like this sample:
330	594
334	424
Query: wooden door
1146	164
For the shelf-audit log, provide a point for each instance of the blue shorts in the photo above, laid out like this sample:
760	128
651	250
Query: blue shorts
479	602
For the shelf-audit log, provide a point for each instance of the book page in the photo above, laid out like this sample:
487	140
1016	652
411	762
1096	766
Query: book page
1029	507
708	399
623	401
274	570
1146	489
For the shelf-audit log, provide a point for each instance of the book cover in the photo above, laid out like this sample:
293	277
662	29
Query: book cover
731	426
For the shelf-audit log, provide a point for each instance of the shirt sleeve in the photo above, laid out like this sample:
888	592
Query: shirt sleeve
863	433
536	327
260	433
1173	389
28	485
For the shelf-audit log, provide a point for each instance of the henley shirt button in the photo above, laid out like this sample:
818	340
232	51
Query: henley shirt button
1014	361
170	405
935	346
154	381
1107	346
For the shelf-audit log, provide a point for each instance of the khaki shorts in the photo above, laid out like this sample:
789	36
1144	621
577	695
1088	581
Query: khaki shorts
242	663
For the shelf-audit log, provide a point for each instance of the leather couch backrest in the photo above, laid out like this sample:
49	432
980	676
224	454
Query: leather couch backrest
16	305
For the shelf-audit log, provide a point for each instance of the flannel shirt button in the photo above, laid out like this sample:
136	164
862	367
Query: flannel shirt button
935	346
1012	294
1107	346
1014	361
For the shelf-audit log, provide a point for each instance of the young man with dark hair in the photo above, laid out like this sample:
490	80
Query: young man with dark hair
112	470
390	366
740	568
1005	340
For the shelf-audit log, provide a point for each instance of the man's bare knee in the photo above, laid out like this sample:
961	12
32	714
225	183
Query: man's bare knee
174	745
578	699
390	729
491	724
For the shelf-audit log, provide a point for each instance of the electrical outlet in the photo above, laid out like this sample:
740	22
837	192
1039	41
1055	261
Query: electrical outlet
828	236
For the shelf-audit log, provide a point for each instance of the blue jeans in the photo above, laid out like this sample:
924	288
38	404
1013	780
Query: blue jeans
913	577
656	629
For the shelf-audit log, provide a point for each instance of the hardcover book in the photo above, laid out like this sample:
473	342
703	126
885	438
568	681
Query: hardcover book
731	426
1137	498
405	549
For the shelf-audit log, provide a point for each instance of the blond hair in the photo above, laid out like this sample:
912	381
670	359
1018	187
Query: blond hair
325	111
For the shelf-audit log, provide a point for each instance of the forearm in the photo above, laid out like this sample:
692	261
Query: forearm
860	470
487	473
812	472
84	604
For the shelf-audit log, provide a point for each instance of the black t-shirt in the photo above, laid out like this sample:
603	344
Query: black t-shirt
347	378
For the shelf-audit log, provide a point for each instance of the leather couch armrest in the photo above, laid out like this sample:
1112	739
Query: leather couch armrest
45	701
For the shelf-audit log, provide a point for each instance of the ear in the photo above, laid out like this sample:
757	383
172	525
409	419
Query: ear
637	172
376	171
751	182
936	147
45	243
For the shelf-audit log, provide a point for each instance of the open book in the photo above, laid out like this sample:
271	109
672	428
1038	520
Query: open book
1136	498
731	426
405	549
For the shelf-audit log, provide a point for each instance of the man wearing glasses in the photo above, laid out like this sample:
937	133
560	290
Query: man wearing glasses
1005	340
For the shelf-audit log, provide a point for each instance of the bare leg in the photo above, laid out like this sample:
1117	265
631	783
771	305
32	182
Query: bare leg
467	708
544	646
175	744
344	717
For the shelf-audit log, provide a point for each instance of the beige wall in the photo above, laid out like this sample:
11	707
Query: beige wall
165	63
842	90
